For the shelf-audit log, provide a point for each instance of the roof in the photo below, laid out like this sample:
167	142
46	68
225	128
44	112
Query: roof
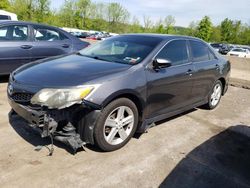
23	22
162	36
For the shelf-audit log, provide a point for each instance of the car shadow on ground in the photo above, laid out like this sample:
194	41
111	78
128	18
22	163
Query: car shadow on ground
4	79
221	161
33	136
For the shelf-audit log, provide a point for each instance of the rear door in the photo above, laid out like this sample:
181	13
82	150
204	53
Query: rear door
49	42
15	47
206	69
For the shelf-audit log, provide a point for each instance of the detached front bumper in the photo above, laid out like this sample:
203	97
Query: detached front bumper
36	118
63	124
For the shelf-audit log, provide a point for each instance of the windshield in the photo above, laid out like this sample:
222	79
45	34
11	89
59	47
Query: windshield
238	50
130	49
215	45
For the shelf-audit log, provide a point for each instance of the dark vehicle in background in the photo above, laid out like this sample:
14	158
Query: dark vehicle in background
216	46
23	42
225	48
105	93
221	48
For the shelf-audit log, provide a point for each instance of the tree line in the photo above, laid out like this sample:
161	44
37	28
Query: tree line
113	17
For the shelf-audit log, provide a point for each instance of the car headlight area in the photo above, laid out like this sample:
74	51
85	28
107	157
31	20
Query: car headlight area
62	98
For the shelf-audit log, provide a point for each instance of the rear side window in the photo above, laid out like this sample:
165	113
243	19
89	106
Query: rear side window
14	33
199	51
175	51
47	34
5	17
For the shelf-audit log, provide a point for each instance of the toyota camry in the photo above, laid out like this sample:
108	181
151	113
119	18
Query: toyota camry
105	93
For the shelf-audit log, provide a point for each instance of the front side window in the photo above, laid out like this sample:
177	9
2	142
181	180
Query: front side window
175	52
199	51
46	34
13	33
122	49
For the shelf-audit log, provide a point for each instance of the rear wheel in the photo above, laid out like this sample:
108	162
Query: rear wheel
215	96
116	125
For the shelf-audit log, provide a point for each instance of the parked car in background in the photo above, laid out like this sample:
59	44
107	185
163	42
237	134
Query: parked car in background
23	42
239	52
80	34
4	15
221	48
224	49
216	46
99	36
92	37
105	93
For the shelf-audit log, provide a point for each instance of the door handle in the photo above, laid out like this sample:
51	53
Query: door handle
189	72
65	45
26	47
217	67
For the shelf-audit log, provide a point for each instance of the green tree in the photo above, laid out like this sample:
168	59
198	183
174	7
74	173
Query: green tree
67	14
23	8
117	15
169	22
226	30
192	29
135	27
148	24
4	4
83	11
204	29
216	34
230	31
244	35
42	10
159	27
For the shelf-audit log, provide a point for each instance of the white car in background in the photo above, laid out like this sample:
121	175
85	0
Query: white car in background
4	15
239	52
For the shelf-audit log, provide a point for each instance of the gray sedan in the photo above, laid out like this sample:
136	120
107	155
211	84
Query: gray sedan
23	42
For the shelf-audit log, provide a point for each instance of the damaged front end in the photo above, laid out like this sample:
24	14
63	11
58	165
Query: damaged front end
72	125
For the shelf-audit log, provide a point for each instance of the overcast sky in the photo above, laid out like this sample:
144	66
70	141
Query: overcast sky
184	11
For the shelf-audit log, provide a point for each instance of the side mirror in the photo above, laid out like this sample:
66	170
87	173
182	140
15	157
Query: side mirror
161	63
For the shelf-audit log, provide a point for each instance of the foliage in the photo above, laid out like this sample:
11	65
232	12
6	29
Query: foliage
4	4
204	29
113	17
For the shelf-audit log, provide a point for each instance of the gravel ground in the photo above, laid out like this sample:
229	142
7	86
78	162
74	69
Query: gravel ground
197	149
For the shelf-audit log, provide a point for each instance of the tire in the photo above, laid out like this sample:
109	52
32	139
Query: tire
111	131
214	98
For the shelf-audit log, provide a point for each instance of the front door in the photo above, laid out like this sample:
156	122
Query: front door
169	89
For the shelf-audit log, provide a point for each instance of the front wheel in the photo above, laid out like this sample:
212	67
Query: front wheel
116	125
215	95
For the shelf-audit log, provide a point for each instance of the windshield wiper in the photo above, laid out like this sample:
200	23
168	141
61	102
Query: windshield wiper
94	57
100	58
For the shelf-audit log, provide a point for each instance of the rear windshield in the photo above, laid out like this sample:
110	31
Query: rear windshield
238	50
216	45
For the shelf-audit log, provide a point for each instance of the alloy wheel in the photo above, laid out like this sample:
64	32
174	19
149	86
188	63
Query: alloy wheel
118	125
216	95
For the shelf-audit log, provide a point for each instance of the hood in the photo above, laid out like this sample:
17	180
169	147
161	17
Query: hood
71	70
